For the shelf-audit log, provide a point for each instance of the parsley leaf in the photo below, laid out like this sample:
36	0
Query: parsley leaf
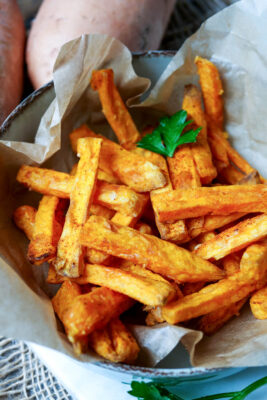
168	136
157	391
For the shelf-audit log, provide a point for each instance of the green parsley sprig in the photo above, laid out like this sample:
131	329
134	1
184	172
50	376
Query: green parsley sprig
157	391
168	136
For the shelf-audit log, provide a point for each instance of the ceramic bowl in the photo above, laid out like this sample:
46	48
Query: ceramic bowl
22	124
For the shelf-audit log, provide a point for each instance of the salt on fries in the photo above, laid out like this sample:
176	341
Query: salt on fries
96	226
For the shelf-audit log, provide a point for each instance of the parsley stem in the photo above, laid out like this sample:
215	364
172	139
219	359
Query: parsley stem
217	396
237	395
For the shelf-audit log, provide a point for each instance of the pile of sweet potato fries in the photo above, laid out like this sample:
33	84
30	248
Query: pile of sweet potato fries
127	225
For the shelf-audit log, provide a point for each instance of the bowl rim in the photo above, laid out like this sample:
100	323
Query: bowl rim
123	368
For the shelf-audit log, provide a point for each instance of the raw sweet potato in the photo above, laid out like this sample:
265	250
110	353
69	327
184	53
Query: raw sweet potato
12	34
138	24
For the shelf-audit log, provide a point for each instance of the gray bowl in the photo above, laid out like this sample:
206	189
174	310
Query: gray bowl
25	119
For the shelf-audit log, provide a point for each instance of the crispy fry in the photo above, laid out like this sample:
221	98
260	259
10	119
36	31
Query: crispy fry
92	311
142	288
97	209
115	343
142	227
254	256
107	177
217	200
130	168
258	303
219	153
182	169
200	150
231	175
61	303
69	259
192	287
212	89
24	218
120	198
214	321
116	197
43	245
177	231
154	316
223	293
114	108
231	263
217	135
234	238
196	226
157	255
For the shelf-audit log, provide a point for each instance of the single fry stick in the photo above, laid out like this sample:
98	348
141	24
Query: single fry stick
130	168
49	182
92	311
114	108
142	288
217	200
115	343
24	218
98	257
69	259
217	135
258	303
231	175
219	153
121	198
223	293
177	231
212	89
196	226
234	238
214	321
182	169
43	245
157	255
192	103
61	303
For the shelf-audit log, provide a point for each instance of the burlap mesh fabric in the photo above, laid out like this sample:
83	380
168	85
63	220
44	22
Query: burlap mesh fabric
22	375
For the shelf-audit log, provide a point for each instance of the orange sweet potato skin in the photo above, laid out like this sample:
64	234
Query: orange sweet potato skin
138	24
12	37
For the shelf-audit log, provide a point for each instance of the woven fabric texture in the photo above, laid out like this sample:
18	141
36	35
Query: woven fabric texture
22	375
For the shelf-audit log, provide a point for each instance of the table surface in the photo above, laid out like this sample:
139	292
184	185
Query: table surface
23	375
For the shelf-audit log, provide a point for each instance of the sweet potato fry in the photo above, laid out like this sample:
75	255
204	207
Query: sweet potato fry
142	227
116	197
231	263
219	153
192	103
115	343
92	311
107	177
231	175
130	168
97	209
177	231
69	259
212	89
214	321
182	169
43	245
217	200
157	255
24	218
235	238
196	226
142	288
258	303
61	303
223	293
114	108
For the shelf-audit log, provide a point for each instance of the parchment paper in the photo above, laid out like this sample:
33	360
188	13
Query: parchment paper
235	39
